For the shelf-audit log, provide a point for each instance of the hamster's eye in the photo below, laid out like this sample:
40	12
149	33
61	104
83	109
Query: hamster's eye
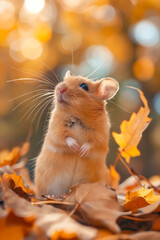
84	86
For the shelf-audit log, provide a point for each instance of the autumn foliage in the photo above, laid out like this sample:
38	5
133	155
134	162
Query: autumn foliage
88	211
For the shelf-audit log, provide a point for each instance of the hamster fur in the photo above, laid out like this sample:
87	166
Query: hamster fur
76	143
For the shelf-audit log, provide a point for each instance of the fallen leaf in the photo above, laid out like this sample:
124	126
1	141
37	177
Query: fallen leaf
52	221
145	235
131	131
15	183
147	194
156	225
9	158
95	202
24	149
135	203
62	226
114	177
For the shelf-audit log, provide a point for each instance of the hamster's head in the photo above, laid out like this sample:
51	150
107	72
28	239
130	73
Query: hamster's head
84	94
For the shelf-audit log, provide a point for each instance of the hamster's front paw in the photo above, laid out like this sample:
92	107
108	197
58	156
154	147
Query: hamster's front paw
72	144
85	149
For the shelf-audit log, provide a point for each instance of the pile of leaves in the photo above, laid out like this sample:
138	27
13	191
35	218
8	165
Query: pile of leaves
129	211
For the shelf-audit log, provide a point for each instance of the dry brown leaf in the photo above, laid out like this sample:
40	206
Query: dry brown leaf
129	184
145	235
52	221
97	204
131	131
152	208
62	226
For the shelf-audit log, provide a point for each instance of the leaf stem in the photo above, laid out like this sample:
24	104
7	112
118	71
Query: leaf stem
117	158
130	171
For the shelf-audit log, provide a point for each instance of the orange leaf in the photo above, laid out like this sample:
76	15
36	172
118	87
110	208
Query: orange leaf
11	157
25	148
9	179
14	227
135	203
131	131
7	157
156	225
114	177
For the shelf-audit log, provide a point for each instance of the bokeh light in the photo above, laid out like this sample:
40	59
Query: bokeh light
34	6
129	98
71	42
105	13
156	103
144	69
98	62
43	32
27	17
31	48
49	13
7	11
146	33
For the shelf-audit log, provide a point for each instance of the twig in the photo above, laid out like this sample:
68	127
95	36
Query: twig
53	202
130	171
145	179
126	165
74	209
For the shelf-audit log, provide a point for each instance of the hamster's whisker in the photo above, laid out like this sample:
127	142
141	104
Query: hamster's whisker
72	57
36	95
32	109
40	102
25	94
32	159
40	76
95	70
49	68
43	109
28	79
32	103
120	106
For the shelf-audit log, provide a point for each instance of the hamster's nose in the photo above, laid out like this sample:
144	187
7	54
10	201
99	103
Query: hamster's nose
63	88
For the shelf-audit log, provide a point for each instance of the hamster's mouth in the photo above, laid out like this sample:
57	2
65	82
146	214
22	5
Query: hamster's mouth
62	98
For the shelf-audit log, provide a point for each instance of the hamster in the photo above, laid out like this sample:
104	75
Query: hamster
76	143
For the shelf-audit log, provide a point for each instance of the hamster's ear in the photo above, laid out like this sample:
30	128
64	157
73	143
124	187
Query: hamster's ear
68	74
107	88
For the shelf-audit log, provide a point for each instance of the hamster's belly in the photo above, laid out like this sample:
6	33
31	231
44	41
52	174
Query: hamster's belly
60	185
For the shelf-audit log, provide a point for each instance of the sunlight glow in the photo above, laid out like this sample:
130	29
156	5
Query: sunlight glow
34	6
7	11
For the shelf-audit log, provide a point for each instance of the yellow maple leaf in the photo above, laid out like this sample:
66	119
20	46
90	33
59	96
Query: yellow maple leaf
147	194
131	131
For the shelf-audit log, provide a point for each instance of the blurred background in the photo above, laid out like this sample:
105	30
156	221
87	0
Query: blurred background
41	39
